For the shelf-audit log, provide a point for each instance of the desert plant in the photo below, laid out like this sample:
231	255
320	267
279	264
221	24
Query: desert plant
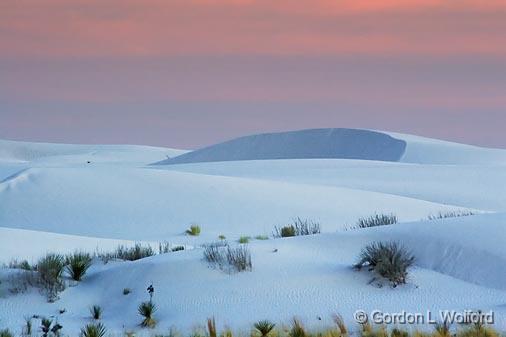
126	291
96	312
264	327
6	333
213	253
387	259
146	310
297	228
194	230
78	264
396	332
285	231
239	258
222	237
47	326
376	220
137	252
442	329
261	237
93	330
449	214
211	327
338	319
244	239
27	328
177	248
50	269
297	329
23	265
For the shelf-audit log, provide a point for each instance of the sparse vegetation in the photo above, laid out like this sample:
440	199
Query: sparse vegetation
449	214
297	329
261	237
50	269
137	252
96	312
244	239
194	230
227	258
146	310
93	330
376	220
126	291
6	333
388	260
297	228
23	265
78	264
211	327
264	327
222	237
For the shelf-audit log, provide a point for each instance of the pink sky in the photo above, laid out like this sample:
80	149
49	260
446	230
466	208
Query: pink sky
191	72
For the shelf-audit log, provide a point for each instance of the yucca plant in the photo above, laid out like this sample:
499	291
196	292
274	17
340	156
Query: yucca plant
45	326
78	264
147	309
387	259
96	312
264	327
93	330
50	269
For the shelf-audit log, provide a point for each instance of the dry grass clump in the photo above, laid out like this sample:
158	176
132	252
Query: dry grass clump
376	220
194	230
449	214
388	260
229	259
299	227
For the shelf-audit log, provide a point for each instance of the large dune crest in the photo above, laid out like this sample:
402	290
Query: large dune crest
341	143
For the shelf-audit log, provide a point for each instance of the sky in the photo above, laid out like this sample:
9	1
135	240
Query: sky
189	73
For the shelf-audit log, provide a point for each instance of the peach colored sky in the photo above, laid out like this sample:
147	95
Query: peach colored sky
191	72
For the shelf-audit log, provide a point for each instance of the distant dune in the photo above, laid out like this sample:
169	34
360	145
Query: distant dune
339	143
304	144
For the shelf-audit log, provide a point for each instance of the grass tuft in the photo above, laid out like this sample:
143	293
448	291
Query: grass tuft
96	312
299	227
93	330
194	230
388	260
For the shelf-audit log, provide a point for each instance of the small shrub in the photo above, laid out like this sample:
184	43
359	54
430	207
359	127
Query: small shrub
228	259
396	332
134	253
93	330
147	309
47	326
23	265
177	248
6	333
298	228
78	264
264	327
244	239
194	230
297	329
96	312
261	237
50	269
449	214
126	291
285	232
442	329
222	237
27	329
376	220
239	258
388	260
